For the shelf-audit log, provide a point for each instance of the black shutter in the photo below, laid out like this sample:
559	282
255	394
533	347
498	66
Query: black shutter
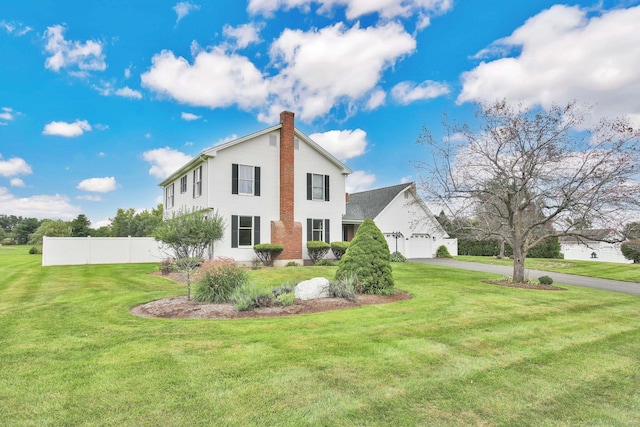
256	230
256	184
326	188
234	178
327	237
234	231
309	229
309	187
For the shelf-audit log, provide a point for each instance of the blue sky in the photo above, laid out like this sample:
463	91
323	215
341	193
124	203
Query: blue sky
99	101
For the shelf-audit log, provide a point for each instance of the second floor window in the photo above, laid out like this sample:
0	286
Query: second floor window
169	197
317	187
245	179
183	184
197	182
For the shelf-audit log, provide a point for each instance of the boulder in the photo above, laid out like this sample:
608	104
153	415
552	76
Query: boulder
318	287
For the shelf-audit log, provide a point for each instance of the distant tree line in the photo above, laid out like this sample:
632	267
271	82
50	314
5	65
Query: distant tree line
127	222
472	243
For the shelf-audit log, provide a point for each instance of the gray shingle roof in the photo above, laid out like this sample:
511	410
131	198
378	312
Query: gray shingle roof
369	204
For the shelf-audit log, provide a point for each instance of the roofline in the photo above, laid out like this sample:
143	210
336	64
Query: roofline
200	158
407	187
213	151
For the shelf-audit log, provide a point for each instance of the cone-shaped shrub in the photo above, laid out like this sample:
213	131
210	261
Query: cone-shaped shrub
368	258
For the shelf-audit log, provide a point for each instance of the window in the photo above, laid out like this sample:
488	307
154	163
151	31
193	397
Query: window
245	180
318	229
197	182
317	187
183	184
245	231
169	197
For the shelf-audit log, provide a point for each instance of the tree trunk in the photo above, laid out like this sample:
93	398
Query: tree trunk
518	264
501	255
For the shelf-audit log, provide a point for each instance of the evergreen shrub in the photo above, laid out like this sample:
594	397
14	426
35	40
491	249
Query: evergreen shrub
443	252
398	257
368	258
631	250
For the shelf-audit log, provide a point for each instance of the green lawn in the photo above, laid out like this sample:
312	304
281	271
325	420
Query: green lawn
603	270
460	352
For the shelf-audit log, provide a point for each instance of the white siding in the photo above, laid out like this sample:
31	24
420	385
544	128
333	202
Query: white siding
308	160
422	235
256	152
605	252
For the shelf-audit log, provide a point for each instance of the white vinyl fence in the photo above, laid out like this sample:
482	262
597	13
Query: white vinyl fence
99	250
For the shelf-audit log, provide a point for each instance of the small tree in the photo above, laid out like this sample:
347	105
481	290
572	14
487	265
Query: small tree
268	252
80	226
368	258
187	235
50	228
317	250
443	252
339	249
631	250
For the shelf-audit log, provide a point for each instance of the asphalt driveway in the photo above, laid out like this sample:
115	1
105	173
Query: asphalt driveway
567	279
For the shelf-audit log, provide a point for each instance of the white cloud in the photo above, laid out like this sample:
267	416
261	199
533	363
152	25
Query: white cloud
102	222
376	99
14	166
316	71
98	185
214	80
90	198
408	92
244	35
320	69
101	126
17	182
7	114
68	130
15	28
127	92
39	206
344	144
87	56
565	54
387	9
189	116
359	181
127	72
183	8
164	161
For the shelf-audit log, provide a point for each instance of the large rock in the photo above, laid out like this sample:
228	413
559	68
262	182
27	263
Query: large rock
318	287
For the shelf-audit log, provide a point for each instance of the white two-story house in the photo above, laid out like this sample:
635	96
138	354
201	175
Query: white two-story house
273	186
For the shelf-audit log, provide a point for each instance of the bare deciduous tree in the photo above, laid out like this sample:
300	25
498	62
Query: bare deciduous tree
524	173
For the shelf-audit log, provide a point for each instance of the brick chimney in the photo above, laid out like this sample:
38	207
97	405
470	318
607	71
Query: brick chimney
286	231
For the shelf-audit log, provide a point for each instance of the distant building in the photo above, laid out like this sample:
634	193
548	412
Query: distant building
593	245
